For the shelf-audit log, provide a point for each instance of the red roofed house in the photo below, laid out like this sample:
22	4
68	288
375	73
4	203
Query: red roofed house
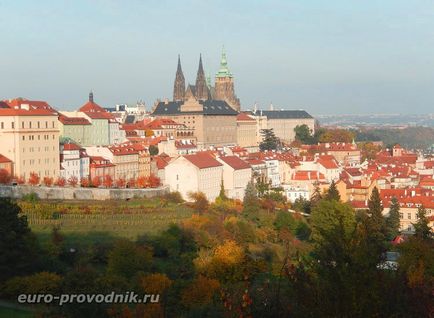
125	158
192	173
329	167
6	164
29	137
100	167
236	174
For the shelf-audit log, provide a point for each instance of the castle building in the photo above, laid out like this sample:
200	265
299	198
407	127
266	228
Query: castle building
213	122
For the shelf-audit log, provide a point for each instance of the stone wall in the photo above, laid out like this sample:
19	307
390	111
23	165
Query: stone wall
68	193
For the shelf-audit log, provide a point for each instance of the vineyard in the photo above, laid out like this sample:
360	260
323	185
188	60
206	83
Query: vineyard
118	218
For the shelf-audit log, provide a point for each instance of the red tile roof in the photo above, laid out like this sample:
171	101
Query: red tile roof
73	120
122	150
4	159
308	175
203	160
35	104
244	117
235	162
94	111
71	146
328	162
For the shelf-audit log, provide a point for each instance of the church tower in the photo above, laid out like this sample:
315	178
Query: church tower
224	84
202	92
179	86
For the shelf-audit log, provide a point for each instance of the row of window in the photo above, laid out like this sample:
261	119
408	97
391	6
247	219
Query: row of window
29	125
33	161
32	149
32	137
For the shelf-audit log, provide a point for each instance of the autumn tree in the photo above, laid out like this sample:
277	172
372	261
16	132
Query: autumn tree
60	182
20	180
34	179
337	135
73	181
200	202
5	177
153	181
250	200
48	181
393	219
120	183
96	181
200	291
108	181
84	182
141	182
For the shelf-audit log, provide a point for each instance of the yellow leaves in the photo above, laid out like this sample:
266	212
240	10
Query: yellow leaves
229	253
155	283
200	291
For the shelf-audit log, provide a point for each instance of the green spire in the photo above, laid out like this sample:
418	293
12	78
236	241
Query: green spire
223	71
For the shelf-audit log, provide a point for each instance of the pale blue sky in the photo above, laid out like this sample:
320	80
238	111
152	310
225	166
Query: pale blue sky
336	56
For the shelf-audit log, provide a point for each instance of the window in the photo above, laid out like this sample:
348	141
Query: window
46	124
30	124
409	216
13	125
22	124
2	125
52	125
401	215
39	124
24	137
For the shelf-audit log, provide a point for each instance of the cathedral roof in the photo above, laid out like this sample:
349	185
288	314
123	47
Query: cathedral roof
223	71
210	107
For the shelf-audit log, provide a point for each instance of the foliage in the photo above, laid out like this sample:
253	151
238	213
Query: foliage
60	182
108	181
200	202
31	197
72	181
174	197
200	291
120	183
332	192
337	135
304	134
5	177
33	179
422	229
39	283
48	181
302	205
18	252
250	200
96	181
153	150
85	182
392	221
126	259
269	140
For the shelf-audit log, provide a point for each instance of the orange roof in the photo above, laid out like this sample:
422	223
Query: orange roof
203	160
122	150
244	117
71	146
73	120
35	104
94	111
4	159
308	175
235	162
328	162
160	122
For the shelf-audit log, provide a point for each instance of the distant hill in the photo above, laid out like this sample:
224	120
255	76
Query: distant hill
411	137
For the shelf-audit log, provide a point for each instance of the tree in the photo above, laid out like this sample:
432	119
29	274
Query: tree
200	202
337	135
269	140
303	134
250	200
18	252
200	292
222	195
141	182
422	229
302	205
375	224
392	221
34	179
120	183
153	150
333	193
48	181
85	182
154	181
108	181
60	182
126	259
72	181
316	195
96	181
5	176
20	179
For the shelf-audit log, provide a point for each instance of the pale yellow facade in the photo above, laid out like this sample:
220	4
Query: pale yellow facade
32	143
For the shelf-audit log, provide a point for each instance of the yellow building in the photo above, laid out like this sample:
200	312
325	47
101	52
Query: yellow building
246	131
29	136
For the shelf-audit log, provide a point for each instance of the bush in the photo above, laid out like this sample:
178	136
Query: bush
31	197
174	197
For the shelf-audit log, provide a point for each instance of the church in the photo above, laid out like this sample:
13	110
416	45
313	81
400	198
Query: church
211	112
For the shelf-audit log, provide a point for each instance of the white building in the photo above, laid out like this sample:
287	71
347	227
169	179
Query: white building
236	174
295	192
193	173
73	162
273	174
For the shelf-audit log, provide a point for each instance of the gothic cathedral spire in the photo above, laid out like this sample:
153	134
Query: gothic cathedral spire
179	85
202	92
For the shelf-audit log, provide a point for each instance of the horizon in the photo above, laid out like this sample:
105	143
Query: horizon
335	58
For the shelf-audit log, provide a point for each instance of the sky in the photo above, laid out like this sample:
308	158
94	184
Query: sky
327	57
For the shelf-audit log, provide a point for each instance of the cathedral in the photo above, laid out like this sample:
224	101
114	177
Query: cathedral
202	90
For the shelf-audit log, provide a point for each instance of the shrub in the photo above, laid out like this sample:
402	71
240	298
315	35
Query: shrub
174	197
60	182
30	197
73	181
34	179
5	176
48	181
